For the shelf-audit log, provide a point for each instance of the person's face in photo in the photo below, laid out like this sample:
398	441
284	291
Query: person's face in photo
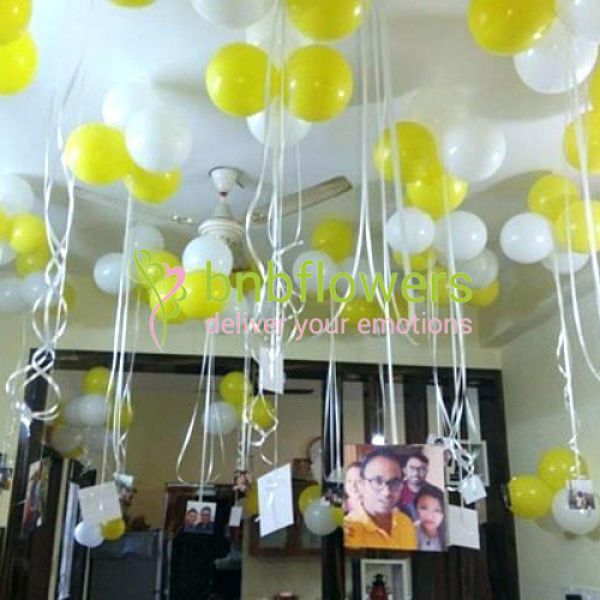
431	514
190	517
416	472
380	489
205	516
352	483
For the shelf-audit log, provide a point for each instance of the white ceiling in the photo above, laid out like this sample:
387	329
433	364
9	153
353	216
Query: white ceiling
169	45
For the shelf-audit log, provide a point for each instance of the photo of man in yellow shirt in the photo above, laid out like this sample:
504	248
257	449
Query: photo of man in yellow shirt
377	522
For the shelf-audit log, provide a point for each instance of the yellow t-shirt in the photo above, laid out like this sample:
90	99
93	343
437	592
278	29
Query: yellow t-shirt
360	531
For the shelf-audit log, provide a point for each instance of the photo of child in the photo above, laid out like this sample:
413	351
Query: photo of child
430	520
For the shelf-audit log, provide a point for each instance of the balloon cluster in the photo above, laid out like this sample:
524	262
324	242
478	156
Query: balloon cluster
534	496
22	240
236	394
551	55
142	142
18	52
436	181
320	517
557	220
82	422
315	83
92	536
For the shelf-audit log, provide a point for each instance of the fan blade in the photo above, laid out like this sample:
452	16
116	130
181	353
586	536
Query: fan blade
310	197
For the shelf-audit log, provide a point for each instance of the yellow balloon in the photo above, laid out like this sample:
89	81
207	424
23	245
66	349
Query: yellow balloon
28	233
252	507
96	380
69	295
594	88
360	308
5	225
530	497
484	297
172	308
15	16
150	187
32	262
590	126
133	3
96	154
326	20
125	420
153	264
308	495
18	64
196	304
236	80
113	530
234	388
263	413
338	515
559	465
334	237
418	262
437	195
572	224
507	27
318	83
549	194
417	153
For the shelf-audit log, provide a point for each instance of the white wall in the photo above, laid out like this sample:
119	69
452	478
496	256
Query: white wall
536	421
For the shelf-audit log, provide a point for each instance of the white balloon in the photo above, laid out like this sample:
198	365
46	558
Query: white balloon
204	249
468	235
527	238
410	230
563	262
89	536
317	259
11	300
473	150
557	63
234	307
71	412
582	17
483	269
123	101
222	418
107	272
147	237
94	438
438	108
92	410
16	195
66	439
578	522
7	254
294	130
158	139
264	34
318	518
33	287
233	13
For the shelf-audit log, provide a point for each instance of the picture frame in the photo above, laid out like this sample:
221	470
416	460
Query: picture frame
479	450
395	573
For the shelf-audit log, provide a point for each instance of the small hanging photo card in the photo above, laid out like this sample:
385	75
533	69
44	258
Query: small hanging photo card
275	500
463	527
100	503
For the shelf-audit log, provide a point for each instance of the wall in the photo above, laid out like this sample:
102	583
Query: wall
536	421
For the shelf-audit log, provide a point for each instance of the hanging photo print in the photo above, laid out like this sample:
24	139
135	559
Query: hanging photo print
200	517
35	498
394	497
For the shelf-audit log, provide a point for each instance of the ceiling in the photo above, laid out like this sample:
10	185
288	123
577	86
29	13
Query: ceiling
169	45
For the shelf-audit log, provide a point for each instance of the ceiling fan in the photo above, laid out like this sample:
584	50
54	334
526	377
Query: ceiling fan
225	226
